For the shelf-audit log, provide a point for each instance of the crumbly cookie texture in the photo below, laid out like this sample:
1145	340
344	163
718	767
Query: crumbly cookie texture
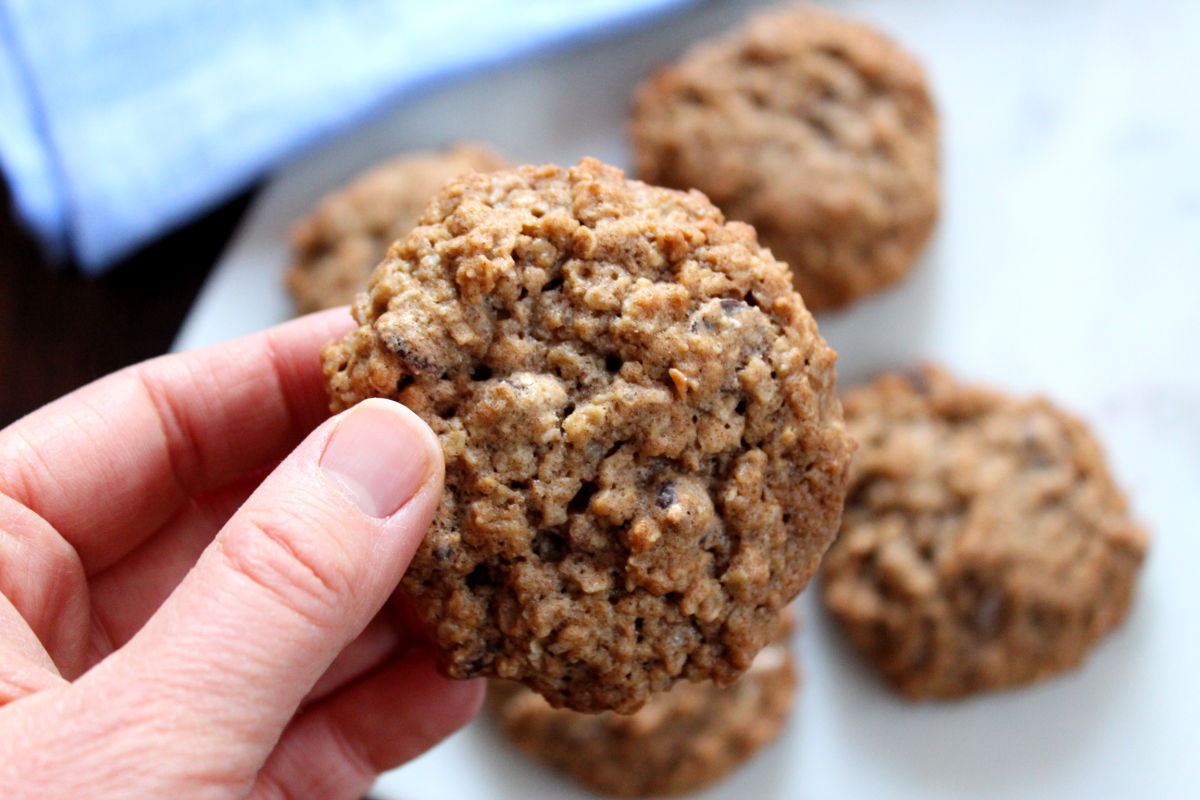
680	741
984	543
337	245
645	454
815	129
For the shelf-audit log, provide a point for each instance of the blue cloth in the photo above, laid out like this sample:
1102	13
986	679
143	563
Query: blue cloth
122	118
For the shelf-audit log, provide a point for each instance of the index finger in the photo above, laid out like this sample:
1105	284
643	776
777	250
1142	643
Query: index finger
109	463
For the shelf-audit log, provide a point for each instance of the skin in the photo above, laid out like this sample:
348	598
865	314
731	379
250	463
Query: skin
196	568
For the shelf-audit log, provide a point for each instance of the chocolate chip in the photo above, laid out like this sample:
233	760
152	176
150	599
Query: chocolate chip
479	577
443	553
550	546
919	381
582	498
988	614
393	342
1034	449
666	496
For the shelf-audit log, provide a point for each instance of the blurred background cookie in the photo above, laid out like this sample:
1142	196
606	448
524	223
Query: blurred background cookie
645	456
346	235
817	130
984	543
680	741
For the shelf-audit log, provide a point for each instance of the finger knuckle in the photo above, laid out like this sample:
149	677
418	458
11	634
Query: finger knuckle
293	559
268	787
42	576
351	754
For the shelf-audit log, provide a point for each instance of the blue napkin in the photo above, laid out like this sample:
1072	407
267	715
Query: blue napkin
122	118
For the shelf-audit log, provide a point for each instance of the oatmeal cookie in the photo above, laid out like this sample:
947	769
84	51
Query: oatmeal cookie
984	543
817	130
346	235
645	454
680	741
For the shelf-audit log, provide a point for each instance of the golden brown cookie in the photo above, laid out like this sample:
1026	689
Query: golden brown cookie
680	741
815	129
984	543
346	235
645	456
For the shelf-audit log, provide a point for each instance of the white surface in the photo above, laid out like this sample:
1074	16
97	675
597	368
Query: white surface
1067	262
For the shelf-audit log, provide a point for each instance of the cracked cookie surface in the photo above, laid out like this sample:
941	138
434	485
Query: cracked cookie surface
645	455
340	242
984	543
817	130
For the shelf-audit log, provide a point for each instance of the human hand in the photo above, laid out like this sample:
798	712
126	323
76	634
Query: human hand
182	614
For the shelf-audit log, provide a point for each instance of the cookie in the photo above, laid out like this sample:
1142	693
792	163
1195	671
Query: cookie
680	741
817	130
337	245
645	455
984	543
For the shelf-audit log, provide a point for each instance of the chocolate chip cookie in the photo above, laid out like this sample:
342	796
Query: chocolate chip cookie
680	741
346	235
645	454
984	543
817	130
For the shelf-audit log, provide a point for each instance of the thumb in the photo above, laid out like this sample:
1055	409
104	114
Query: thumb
290	580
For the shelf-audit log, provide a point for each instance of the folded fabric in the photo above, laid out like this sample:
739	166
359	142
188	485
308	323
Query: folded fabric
120	119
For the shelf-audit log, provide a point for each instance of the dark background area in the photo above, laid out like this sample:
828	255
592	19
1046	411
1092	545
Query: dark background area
60	329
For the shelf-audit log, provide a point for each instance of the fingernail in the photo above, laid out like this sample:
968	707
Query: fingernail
379	456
